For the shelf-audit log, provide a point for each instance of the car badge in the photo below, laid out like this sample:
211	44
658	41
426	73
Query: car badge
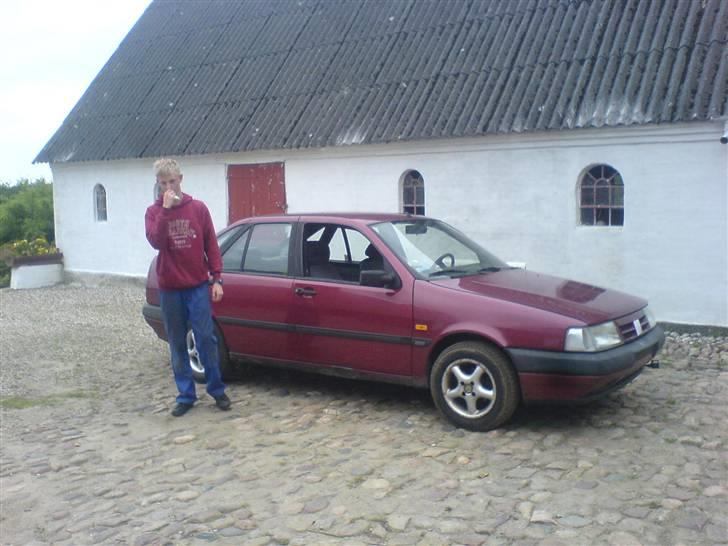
637	326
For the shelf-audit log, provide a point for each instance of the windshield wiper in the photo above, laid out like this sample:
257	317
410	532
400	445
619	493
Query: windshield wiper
448	272
493	269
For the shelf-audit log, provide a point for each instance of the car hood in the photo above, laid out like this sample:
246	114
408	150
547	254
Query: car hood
588	303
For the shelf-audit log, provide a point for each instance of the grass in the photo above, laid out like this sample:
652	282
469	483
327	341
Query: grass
22	402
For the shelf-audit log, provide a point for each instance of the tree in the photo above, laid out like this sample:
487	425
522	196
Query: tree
26	211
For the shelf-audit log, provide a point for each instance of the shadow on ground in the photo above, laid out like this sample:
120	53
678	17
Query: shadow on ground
403	399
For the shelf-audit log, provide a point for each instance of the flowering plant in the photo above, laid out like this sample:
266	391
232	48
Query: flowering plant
24	249
36	247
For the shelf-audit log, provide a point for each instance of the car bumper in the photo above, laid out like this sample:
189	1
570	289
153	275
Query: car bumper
153	315
551	376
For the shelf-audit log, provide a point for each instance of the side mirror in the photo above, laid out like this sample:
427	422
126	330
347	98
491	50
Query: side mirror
378	278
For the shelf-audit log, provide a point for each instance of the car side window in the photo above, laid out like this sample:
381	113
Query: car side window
267	249
348	245
232	258
224	238
338	253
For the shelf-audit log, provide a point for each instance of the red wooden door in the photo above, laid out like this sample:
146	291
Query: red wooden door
255	189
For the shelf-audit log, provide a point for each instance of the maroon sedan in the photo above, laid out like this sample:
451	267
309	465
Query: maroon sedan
411	300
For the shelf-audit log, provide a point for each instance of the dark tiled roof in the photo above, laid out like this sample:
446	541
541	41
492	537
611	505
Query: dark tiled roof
220	76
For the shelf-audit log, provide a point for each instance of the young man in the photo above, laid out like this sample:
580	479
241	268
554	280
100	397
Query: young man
181	229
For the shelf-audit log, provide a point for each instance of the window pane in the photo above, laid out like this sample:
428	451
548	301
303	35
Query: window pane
337	246
232	260
268	249
408	209
420	210
229	235
617	217
587	196
100	198
602	195
408	194
587	217
618	196
420	194
357	244
419	242
316	236
602	217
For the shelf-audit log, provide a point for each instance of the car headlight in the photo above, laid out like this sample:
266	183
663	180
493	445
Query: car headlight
592	338
650	316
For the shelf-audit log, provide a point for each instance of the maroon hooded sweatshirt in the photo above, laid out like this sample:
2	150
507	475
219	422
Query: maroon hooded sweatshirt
186	241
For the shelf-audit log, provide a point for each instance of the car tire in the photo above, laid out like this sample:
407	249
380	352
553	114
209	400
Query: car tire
474	385
198	370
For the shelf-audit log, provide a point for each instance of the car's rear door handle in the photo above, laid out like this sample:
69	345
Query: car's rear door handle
305	291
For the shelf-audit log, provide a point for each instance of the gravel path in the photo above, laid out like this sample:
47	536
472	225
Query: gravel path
90	455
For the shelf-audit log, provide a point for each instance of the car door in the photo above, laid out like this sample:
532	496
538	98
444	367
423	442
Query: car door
340	322
254	313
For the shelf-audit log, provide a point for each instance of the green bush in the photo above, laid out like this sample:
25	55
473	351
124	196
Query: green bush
26	222
26	211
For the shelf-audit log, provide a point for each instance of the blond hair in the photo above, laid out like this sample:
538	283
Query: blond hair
166	167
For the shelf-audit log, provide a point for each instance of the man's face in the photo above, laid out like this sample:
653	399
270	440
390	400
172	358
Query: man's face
170	182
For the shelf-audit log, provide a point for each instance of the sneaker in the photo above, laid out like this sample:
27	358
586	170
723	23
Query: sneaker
180	409
222	402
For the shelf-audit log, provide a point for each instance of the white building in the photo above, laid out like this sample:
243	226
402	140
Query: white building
574	137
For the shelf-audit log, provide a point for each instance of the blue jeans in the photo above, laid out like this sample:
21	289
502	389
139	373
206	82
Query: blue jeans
180	308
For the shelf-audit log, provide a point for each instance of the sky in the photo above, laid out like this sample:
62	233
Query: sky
50	51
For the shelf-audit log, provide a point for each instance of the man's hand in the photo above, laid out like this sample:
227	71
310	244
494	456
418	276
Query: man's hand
169	199
216	292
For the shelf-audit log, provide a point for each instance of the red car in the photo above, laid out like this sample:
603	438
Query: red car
408	299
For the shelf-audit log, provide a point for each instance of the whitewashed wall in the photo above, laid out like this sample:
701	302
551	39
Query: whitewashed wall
119	246
515	194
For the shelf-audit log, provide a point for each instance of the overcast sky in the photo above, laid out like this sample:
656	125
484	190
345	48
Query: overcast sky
50	51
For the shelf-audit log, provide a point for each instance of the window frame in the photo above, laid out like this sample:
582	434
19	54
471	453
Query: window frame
413	179
98	194
593	182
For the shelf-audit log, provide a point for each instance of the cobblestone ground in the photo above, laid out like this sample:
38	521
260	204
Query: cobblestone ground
90	455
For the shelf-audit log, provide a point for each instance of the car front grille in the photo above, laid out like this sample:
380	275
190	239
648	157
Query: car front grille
633	326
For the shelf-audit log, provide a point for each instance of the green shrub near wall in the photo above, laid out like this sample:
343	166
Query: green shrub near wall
26	221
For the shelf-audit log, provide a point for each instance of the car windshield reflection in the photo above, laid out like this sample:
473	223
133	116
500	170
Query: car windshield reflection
434	249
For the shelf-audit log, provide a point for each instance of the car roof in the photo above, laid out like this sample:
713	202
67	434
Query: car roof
365	217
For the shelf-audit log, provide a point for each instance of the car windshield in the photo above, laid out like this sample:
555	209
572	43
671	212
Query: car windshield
434	249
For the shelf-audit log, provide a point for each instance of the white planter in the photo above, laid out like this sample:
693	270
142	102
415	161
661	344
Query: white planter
36	271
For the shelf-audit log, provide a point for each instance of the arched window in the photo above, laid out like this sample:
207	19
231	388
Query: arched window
601	197
413	193
100	203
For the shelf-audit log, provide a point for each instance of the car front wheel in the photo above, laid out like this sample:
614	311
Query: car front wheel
474	385
198	369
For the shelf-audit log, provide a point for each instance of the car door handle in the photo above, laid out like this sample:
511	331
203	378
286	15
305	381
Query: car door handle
305	291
